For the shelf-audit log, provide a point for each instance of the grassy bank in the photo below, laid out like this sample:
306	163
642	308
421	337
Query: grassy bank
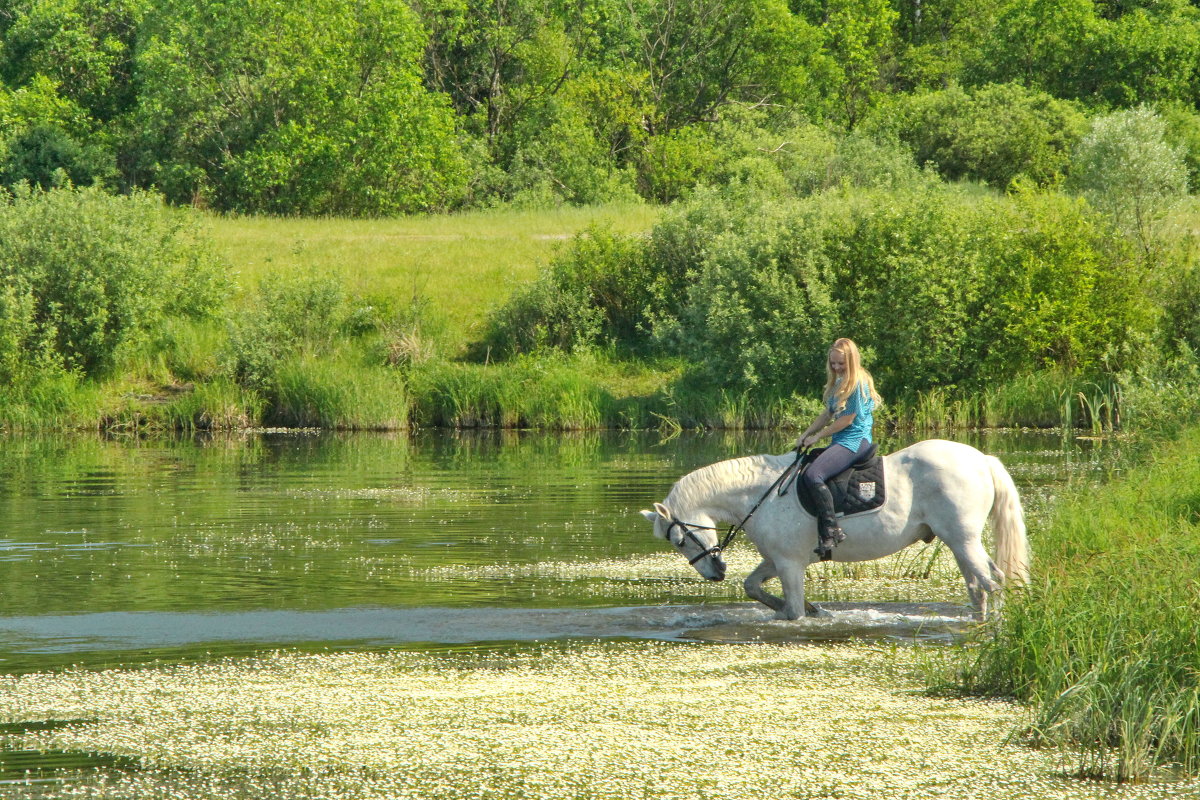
1104	645
363	324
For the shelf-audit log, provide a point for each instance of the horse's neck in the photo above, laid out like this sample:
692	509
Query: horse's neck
726	489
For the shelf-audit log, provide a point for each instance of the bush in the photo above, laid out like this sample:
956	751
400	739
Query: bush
947	287
990	134
1183	132
289	318
45	156
86	274
597	292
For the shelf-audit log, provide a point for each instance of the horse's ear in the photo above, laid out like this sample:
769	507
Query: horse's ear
649	515
662	510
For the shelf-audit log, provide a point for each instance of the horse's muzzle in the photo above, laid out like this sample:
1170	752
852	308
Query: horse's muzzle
720	572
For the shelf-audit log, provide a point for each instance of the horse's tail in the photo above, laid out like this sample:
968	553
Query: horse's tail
1008	526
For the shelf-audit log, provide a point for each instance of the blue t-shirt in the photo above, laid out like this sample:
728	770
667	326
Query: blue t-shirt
861	404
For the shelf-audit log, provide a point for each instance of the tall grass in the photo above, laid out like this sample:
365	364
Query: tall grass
1104	643
337	393
529	393
1046	399
54	401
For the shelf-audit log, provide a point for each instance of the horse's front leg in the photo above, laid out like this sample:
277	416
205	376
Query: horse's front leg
754	588
754	585
791	575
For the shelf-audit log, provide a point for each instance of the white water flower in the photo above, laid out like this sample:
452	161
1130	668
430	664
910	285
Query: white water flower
615	720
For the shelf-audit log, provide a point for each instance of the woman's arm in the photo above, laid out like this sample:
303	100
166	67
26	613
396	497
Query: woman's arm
823	427
821	421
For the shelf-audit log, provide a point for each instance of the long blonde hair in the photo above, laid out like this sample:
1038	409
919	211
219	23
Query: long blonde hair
855	375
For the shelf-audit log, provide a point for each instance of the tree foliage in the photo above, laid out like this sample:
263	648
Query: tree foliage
1127	169
396	106
318	108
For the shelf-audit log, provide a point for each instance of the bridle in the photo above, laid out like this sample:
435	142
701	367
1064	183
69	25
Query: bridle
689	531
690	528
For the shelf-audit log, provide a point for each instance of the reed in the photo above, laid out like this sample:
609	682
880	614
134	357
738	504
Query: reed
220	405
532	392
1104	643
56	401
337	393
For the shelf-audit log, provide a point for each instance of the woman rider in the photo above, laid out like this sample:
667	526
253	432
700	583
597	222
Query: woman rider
850	400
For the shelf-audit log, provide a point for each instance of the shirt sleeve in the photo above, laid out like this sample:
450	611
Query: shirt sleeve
853	403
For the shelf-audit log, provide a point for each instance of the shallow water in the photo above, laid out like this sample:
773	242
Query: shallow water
111	547
451	554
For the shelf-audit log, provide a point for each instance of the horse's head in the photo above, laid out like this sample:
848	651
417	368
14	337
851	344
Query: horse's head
696	539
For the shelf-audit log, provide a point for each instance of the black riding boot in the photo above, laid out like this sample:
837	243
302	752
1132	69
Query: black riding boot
829	533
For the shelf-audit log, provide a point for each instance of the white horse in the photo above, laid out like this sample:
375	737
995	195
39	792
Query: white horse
934	488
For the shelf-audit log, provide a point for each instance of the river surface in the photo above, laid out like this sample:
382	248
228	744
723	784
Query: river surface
117	552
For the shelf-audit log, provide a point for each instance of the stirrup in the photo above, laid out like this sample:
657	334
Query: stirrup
827	540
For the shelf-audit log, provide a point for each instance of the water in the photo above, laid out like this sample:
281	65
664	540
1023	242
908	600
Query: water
130	553
115	551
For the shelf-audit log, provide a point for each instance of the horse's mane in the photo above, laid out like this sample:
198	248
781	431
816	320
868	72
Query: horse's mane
692	488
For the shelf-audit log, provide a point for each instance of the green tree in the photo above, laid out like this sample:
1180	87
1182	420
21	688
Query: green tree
859	49
993	133
1125	168
84	47
318	108
1066	48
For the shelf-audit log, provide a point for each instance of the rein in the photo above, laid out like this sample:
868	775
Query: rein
689	527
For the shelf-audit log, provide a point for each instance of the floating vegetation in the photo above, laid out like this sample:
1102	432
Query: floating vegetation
919	573
616	720
403	494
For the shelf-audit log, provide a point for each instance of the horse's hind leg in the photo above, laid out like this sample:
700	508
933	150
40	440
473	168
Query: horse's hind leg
977	570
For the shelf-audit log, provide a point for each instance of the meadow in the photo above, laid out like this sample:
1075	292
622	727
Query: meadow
461	264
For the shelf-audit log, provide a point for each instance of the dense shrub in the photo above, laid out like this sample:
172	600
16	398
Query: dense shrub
992	134
85	274
945	287
45	156
1183	132
289	318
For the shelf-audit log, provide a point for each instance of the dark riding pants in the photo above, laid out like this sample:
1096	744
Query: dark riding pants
836	458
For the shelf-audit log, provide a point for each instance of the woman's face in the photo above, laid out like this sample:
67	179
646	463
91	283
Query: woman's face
837	362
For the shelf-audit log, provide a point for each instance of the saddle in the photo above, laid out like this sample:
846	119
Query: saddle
857	490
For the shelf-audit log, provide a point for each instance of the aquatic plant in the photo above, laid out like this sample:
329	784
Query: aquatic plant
581	720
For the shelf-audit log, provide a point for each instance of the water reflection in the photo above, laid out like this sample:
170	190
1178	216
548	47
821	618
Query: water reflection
132	537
